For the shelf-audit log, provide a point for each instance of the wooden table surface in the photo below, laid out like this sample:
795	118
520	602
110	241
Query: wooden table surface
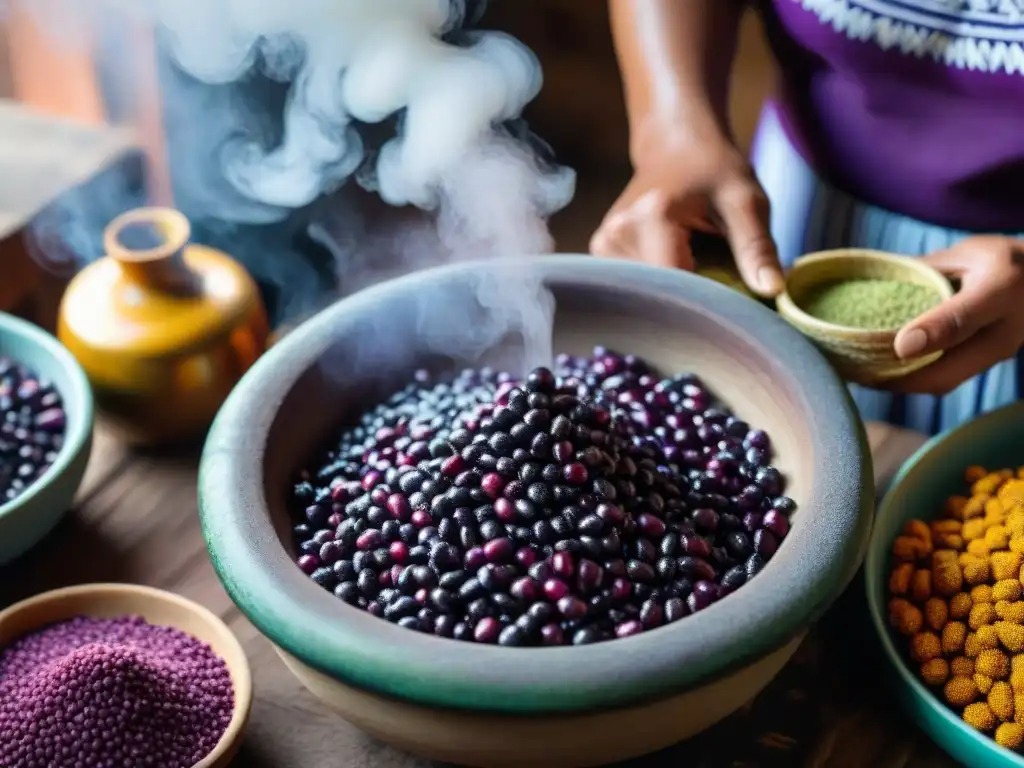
136	521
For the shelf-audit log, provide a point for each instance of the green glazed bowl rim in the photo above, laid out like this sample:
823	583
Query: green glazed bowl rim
74	386
936	719
826	546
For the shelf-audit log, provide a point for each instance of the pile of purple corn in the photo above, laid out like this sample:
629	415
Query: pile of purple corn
32	424
580	505
111	692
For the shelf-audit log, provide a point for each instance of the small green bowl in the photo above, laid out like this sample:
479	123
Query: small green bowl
28	518
920	489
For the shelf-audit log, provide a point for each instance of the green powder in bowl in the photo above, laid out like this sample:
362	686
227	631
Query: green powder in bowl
873	305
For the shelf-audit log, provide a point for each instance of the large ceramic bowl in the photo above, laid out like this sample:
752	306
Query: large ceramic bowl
33	514
571	706
929	477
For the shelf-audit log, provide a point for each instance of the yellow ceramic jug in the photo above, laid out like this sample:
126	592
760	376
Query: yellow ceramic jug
163	328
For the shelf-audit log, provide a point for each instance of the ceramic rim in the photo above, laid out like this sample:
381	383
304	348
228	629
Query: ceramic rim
938	283
78	430
345	642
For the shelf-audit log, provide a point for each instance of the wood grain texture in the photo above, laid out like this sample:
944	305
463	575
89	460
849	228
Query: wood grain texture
137	521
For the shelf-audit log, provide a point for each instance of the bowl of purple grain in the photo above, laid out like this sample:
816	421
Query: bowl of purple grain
119	674
556	511
46	421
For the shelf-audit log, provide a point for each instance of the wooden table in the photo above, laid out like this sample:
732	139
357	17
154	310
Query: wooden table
136	521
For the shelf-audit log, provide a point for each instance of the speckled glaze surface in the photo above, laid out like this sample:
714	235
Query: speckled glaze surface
28	518
298	393
920	489
108	601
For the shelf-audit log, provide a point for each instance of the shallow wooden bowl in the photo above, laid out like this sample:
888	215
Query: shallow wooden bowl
486	705
861	356
156	607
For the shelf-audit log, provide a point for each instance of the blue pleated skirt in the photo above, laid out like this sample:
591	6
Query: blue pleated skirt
809	215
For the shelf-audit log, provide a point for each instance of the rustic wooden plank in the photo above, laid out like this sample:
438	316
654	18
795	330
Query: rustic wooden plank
41	157
138	522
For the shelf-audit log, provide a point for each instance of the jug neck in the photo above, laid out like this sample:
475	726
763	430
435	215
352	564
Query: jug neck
149	246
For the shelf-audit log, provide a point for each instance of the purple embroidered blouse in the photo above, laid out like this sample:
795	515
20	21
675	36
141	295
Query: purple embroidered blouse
916	106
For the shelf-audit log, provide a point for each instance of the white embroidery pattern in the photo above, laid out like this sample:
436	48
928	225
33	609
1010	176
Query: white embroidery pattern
980	35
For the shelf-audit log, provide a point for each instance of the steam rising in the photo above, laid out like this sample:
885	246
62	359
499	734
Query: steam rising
395	95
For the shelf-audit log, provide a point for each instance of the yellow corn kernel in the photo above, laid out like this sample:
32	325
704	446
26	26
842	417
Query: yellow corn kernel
960	605
1015	521
981	594
987	485
1016	677
947	579
918	529
899	579
983	683
1005	565
979	716
944	526
961	666
936	613
991	662
960	691
1010	635
997	537
925	646
904	617
973	529
995	511
1009	735
1012	491
910	549
1011	611
921	586
1007	589
1000	700
978	548
935	672
980	615
984	639
975	569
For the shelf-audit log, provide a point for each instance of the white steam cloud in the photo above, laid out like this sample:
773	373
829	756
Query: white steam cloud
393	94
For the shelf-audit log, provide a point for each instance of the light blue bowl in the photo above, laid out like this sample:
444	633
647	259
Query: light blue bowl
28	518
930	476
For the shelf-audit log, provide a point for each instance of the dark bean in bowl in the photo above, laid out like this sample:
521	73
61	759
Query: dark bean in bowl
595	501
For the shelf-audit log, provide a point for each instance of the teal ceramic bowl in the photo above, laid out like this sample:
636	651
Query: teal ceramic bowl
486	705
28	518
929	477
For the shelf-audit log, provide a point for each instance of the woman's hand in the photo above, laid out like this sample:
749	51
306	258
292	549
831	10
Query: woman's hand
983	324
688	180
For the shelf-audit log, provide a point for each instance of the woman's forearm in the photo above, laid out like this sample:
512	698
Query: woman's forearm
676	57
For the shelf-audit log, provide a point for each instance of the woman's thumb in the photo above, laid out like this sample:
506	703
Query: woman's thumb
745	214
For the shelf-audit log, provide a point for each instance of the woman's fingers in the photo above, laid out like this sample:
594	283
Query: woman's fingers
661	240
989	288
984	349
646	231
613	238
952	322
745	214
